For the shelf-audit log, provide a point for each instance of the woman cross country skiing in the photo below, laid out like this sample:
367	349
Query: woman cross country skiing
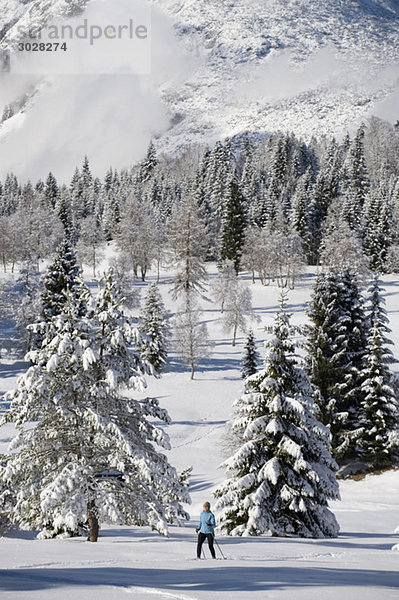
206	530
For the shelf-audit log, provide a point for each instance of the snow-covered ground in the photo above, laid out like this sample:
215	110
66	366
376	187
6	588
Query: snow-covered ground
358	564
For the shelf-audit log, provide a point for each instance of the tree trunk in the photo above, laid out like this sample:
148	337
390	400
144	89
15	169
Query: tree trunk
192	371
233	343
93	521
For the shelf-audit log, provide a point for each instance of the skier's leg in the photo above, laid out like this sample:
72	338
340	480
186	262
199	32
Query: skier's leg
210	544
201	539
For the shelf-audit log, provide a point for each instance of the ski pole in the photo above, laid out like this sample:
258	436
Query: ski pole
220	550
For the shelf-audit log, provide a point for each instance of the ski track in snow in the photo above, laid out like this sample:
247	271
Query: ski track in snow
158	593
198	438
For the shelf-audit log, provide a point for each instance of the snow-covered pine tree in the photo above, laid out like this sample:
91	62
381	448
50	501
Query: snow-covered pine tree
378	228
232	232
51	190
76	193
90	452
62	276
327	343
88	190
325	190
356	178
301	215
217	178
336	343
11	195
153	347
250	186
379	442
282	476
29	285
149	164
111	204
63	210
250	359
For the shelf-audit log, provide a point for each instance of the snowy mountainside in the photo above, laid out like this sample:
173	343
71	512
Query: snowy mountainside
245	29
219	68
27	14
312	67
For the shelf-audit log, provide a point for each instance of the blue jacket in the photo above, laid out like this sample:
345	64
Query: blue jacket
207	522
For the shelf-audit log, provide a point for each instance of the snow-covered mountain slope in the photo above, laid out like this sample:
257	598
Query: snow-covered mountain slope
19	15
311	66
219	67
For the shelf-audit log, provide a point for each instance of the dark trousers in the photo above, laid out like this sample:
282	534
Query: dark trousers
201	539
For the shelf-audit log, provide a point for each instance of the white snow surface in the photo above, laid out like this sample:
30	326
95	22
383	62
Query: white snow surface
136	562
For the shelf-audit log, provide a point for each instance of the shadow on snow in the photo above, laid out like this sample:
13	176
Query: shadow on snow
226	578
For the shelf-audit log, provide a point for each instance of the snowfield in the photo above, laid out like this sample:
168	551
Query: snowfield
142	564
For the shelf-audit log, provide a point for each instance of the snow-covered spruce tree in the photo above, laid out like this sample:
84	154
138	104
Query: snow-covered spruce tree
355	175
110	200
149	164
282	476
29	285
217	177
250	358
379	442
335	343
191	336
64	212
301	216
91	453
326	189
153	347
62	276
51	190
232	232
378	227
